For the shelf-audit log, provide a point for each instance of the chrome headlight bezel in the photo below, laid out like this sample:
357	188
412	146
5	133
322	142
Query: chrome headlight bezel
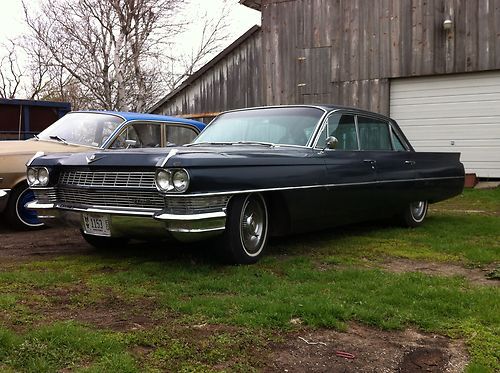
164	180
38	176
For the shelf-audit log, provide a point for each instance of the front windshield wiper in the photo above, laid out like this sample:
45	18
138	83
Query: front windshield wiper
58	138
255	143
234	143
209	143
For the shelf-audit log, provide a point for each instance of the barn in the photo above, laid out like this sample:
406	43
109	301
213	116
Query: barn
433	65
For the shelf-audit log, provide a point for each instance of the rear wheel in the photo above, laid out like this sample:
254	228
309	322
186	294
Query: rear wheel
17	215
414	214
247	226
99	242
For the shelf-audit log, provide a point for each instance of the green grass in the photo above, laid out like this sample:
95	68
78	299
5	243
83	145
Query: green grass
324	279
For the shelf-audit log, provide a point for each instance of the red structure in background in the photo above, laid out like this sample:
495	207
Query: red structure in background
21	119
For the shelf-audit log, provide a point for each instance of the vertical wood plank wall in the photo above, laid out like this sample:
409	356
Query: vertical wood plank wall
231	83
346	52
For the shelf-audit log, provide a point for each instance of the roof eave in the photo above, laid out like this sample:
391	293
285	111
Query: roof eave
254	4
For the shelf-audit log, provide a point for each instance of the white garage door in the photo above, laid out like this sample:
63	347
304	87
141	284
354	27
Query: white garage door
452	113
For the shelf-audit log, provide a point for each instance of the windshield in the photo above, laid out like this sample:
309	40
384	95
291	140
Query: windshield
288	126
89	129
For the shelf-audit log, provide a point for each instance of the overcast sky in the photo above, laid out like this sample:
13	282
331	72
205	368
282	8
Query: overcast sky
12	25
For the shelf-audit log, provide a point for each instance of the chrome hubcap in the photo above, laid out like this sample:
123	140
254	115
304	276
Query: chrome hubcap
253	223
418	209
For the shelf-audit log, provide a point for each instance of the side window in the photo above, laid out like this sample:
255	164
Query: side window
343	128
140	135
374	134
179	135
398	144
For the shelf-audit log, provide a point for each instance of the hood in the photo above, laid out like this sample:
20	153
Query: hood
199	156
30	147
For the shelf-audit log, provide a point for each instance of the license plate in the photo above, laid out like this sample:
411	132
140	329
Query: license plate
96	224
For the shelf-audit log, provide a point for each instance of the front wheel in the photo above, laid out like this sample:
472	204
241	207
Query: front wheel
247	226
99	242
17	215
414	214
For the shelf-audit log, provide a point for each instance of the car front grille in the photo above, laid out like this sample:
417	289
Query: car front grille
108	179
110	198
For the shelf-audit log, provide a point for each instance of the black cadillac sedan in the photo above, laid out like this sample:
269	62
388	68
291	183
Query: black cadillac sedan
250	174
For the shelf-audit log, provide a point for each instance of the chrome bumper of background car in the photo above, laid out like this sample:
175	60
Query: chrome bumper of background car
4	198
137	224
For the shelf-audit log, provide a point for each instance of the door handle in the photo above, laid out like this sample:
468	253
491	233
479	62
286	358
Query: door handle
372	163
410	163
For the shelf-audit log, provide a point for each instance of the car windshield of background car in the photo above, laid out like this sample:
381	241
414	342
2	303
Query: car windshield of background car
88	129
287	126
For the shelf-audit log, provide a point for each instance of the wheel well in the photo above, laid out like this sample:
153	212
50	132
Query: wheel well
279	215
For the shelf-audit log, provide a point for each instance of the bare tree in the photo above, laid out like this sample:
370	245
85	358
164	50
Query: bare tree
114	53
214	33
10	72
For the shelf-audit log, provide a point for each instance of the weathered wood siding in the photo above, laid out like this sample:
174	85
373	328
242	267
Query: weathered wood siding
231	83
345	51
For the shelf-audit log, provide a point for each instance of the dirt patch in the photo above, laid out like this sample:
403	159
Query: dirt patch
362	349
24	245
475	275
108	312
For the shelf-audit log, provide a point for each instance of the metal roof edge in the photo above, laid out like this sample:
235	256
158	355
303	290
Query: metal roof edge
15	101
206	67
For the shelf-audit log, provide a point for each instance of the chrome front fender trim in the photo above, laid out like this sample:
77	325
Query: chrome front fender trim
260	190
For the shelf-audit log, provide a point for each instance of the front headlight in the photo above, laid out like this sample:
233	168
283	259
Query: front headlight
31	176
163	180
172	180
180	179
43	176
37	176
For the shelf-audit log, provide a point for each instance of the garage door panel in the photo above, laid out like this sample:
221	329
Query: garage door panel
463	108
452	132
492	122
446	94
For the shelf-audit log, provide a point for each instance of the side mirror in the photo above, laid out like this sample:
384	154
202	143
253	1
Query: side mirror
331	142
130	143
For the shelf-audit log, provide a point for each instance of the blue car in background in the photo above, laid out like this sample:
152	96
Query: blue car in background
82	131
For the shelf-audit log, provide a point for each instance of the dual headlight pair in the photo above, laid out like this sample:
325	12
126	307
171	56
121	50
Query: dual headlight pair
38	176
172	180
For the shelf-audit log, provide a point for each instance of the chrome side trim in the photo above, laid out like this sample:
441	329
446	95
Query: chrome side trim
196	230
231	192
208	215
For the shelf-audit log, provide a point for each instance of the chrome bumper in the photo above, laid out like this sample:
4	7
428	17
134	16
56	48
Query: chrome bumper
138	224
4	198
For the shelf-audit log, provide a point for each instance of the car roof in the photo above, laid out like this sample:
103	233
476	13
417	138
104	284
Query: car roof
129	116
325	107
